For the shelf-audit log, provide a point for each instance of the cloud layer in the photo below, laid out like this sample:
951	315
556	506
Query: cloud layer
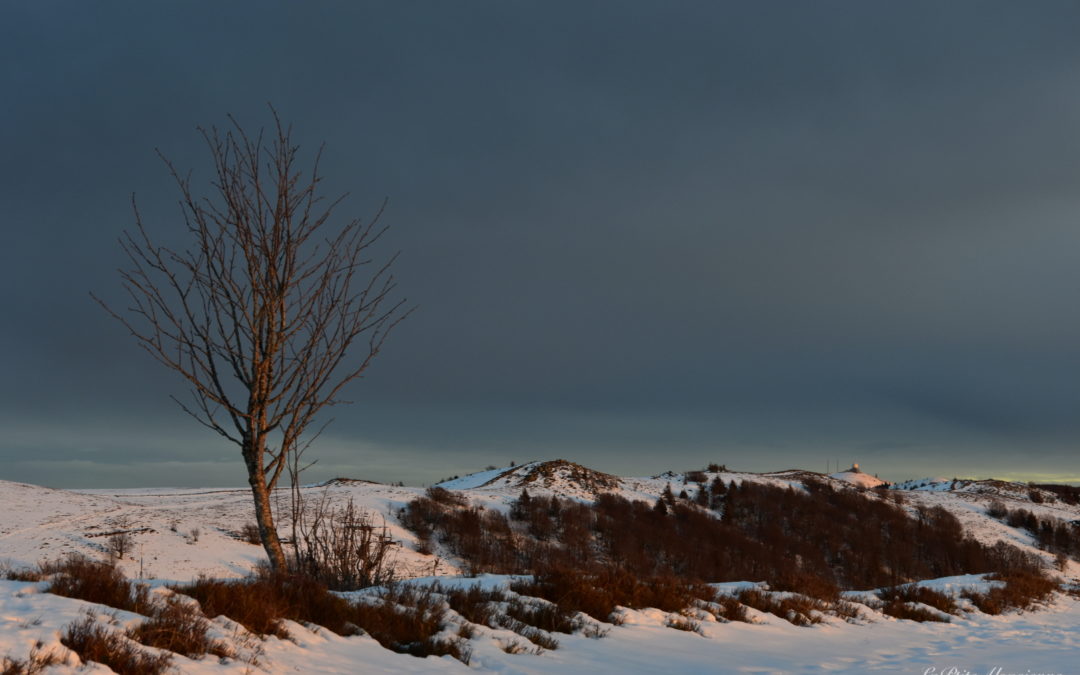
646	239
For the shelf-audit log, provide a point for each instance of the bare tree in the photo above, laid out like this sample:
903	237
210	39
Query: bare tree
270	312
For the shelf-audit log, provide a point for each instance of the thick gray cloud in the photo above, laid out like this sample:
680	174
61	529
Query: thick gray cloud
639	236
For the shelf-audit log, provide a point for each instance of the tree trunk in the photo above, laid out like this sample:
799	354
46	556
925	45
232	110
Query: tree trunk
264	516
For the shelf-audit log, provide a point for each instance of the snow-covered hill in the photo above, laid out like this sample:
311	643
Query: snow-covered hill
181	533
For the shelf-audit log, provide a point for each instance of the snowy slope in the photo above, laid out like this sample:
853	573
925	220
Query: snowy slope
39	523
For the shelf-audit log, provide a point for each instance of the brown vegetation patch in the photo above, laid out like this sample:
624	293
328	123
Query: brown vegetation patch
403	619
96	581
176	625
35	663
94	642
792	607
909	593
1023	590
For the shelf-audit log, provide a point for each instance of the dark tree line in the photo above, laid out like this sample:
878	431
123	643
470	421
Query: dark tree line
822	539
1051	534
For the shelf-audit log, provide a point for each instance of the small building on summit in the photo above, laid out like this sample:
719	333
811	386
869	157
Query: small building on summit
858	477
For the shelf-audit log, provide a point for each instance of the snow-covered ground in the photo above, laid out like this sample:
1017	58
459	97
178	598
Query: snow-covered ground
179	534
1047	641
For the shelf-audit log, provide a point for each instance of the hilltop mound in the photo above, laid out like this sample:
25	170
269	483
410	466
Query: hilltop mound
858	478
558	476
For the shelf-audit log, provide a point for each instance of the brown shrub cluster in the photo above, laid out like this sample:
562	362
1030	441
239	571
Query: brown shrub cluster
1022	590
401	618
249	533
441	495
920	594
406	619
597	591
795	608
725	607
685	623
257	603
903	602
176	625
95	642
95	581
23	574
531	618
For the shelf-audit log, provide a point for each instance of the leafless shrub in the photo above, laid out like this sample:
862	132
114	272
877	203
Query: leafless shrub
94	581
35	663
343	548
250	534
911	611
94	642
177	625
1022	590
593	631
597	592
915	593
23	574
725	607
531	618
446	497
799	610
679	622
544	615
402	618
120	543
518	647
530	633
252	603
475	604
997	509
406	620
193	535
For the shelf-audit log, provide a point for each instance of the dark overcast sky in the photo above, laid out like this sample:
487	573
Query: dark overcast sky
643	236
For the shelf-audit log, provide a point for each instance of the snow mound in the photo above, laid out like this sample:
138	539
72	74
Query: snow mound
932	484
